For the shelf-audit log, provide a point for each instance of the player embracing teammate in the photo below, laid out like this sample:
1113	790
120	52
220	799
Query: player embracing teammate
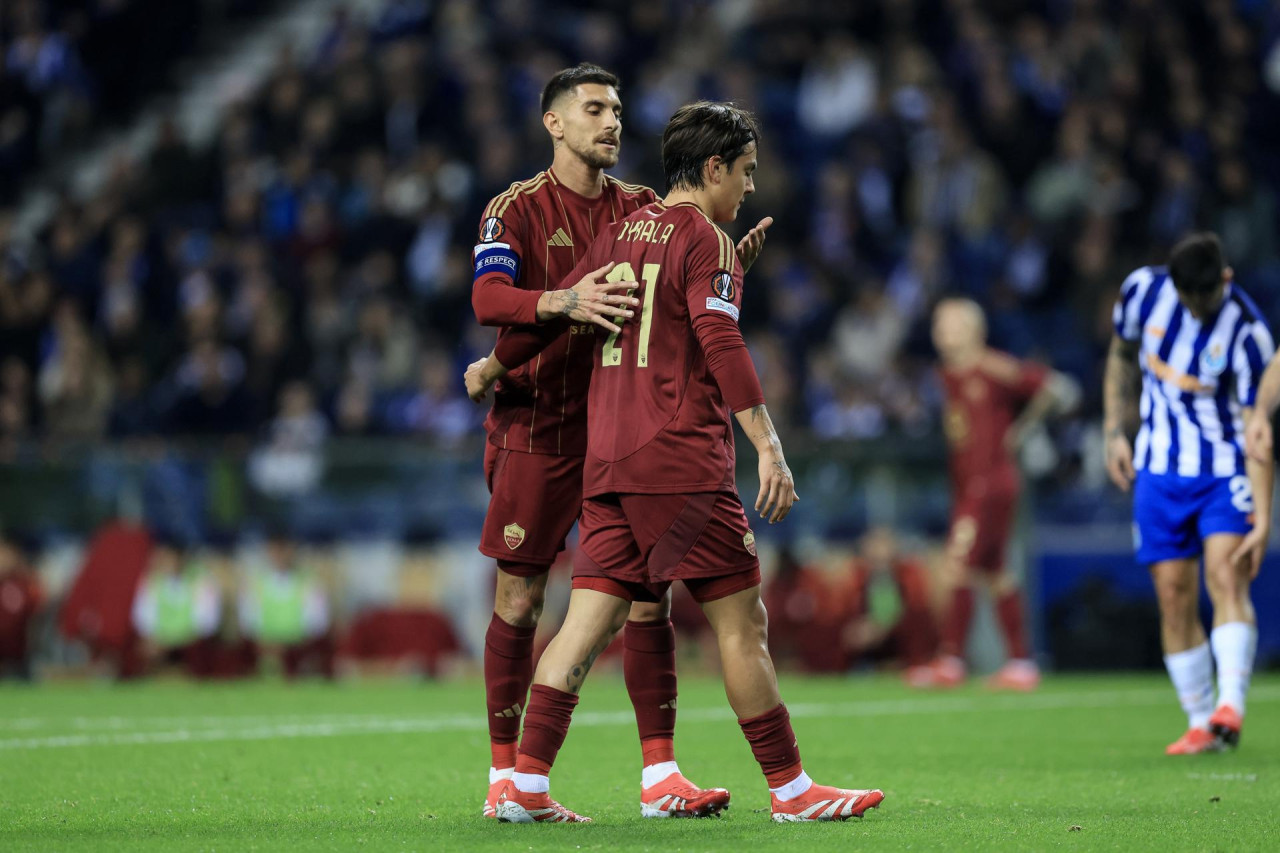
660	501
530	238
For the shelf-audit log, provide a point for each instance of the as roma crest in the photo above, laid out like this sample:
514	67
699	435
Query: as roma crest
750	542
513	535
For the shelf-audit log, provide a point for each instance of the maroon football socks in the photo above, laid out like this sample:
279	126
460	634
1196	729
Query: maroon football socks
546	722
774	745
1010	613
508	670
649	668
956	621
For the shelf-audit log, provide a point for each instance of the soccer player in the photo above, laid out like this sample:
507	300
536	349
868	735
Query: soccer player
531	237
1200	346
660	503
992	402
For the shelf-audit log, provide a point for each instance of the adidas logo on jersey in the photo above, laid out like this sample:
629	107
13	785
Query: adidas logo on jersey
560	239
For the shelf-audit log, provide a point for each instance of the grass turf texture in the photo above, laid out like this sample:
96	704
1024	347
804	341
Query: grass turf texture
399	766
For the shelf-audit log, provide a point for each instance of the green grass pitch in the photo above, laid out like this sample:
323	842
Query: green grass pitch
397	766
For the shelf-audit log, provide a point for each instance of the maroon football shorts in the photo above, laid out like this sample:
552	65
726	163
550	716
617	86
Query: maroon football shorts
634	546
534	501
980	529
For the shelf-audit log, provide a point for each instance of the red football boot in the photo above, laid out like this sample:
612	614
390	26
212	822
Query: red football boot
515	806
1226	723
1194	742
676	796
823	802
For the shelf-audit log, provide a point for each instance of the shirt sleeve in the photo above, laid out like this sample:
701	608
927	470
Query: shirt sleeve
1031	378
495	297
520	345
1254	349
713	290
1126	316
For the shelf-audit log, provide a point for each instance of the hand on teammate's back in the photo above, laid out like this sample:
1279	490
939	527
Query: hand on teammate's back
1258	438
1120	461
593	300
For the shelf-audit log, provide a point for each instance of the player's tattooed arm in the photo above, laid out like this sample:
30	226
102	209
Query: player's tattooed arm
593	299
1121	386
777	485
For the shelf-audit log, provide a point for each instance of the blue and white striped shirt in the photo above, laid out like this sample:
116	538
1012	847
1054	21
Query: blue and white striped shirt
1196	377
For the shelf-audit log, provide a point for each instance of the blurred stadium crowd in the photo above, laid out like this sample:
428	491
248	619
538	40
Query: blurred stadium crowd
307	272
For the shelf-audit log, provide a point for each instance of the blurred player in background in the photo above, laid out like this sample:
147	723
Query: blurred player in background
284	609
1200	346
993	401
20	599
531	237
177	609
660	499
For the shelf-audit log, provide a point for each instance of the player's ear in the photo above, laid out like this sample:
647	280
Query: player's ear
552	122
714	170
1227	275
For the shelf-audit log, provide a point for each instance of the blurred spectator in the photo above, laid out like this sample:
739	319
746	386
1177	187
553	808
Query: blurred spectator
284	610
291	462
889	607
1023	156
177	609
21	597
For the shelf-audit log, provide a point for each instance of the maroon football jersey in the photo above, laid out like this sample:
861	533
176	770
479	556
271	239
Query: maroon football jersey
981	404
658	422
532	236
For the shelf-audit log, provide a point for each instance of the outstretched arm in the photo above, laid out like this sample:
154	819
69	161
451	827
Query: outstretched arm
1058	395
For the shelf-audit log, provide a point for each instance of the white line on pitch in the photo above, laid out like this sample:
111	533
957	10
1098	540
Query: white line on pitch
233	728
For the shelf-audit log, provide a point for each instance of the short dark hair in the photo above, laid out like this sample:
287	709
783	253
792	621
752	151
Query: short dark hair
1196	263
702	130
566	78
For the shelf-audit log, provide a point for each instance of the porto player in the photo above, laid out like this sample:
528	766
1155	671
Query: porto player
1200	346
660	503
531	236
992	400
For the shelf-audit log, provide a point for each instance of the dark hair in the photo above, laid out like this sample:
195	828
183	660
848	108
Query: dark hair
566	78
702	130
1196	263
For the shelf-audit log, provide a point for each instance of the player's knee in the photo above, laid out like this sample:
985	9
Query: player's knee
651	611
1176	597
519	600
1223	580
751	628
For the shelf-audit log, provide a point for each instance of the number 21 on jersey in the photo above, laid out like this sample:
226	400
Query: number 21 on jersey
649	275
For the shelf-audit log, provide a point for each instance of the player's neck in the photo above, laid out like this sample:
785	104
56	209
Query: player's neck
699	198
965	359
571	172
